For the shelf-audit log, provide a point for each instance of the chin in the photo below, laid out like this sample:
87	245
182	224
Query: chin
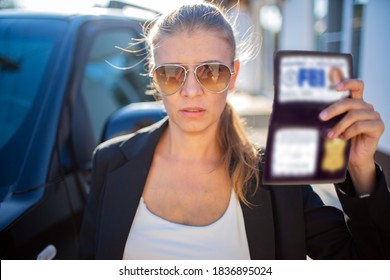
194	126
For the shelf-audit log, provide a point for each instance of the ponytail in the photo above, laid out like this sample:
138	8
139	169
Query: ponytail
240	156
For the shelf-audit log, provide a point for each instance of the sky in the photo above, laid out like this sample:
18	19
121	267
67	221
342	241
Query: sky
81	4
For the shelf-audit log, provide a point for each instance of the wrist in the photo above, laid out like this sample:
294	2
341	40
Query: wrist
363	177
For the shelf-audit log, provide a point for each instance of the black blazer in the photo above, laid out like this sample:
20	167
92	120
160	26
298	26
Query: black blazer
287	222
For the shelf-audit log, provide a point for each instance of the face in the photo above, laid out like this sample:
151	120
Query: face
194	109
335	76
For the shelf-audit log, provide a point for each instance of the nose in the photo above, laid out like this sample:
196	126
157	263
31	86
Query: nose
191	87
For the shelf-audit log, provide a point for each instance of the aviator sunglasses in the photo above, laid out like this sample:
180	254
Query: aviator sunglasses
170	78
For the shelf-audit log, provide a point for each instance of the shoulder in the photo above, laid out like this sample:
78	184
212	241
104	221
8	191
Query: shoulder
125	146
113	145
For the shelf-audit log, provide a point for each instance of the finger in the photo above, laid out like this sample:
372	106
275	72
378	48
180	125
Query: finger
370	128
344	106
356	87
350	119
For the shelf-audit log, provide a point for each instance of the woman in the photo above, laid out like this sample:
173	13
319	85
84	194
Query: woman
189	187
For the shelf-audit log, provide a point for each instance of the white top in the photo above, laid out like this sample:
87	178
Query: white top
152	237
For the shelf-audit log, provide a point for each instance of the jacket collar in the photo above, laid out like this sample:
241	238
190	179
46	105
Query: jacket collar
144	141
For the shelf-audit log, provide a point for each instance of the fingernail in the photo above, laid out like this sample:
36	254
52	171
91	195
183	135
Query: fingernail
323	115
330	134
340	86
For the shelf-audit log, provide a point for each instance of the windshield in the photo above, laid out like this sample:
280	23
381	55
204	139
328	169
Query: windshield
26	48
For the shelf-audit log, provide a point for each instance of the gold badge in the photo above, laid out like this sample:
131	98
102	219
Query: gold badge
333	159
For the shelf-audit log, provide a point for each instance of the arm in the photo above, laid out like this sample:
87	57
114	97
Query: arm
107	157
361	231
368	217
87	248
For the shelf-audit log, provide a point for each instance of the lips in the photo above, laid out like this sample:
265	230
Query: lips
193	109
193	112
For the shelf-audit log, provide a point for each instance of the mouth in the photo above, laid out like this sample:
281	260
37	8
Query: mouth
193	109
193	112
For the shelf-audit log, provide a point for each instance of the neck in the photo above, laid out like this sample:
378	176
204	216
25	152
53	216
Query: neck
193	147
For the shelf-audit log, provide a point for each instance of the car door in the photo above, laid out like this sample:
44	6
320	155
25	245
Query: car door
104	80
93	91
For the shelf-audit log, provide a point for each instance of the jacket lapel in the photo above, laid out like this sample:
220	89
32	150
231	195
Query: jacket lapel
259	225
124	187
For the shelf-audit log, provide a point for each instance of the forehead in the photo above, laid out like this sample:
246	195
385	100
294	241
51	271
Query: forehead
194	47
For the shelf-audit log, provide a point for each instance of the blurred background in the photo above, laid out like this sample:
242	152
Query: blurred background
59	97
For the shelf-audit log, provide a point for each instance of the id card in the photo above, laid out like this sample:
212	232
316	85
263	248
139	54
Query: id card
298	150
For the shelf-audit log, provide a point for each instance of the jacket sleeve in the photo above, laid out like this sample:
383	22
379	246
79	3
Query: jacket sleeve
360	231
368	218
88	233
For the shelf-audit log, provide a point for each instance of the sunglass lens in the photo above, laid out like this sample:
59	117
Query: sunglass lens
214	77
169	78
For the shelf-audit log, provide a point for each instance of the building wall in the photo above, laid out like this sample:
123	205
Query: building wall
297	30
375	65
297	33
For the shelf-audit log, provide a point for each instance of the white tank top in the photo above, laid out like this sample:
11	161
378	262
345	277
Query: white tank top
152	237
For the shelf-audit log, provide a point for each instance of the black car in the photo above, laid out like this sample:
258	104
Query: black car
58	89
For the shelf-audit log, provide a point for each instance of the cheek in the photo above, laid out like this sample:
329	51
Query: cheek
171	104
220	103
166	102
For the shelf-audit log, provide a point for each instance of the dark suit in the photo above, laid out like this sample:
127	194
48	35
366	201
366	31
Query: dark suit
287	222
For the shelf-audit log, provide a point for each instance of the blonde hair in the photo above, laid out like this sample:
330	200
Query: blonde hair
189	18
240	157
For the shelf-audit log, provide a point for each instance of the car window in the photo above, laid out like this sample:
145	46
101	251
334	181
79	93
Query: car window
112	78
27	54
24	56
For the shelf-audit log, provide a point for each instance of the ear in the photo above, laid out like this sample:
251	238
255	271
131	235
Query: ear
234	76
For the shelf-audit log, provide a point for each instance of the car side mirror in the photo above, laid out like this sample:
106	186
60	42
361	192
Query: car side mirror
133	117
